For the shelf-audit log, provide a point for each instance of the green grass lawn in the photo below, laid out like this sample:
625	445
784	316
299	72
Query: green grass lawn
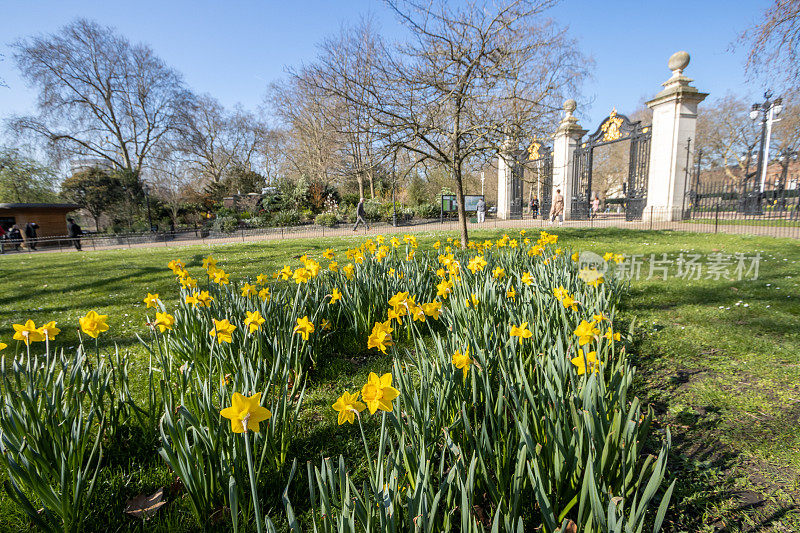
718	361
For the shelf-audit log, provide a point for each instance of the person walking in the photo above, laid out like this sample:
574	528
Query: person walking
558	207
595	206
480	210
361	214
30	235
535	207
2	239
74	231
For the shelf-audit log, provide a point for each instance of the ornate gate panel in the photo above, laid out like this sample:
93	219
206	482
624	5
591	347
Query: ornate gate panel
540	169
516	190
581	182
639	168
614	128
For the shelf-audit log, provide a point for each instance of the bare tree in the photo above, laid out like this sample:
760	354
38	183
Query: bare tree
356	50
272	154
100	96
311	139
786	135
469	76
213	140
774	43
727	136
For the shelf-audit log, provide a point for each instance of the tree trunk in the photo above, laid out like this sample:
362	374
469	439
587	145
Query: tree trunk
360	180
371	185
462	215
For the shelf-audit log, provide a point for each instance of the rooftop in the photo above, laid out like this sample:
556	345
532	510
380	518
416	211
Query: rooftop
40	206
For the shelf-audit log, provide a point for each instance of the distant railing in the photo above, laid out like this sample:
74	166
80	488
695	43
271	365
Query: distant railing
719	218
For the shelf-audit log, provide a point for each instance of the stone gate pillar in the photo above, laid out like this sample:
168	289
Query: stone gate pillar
505	166
566	140
674	122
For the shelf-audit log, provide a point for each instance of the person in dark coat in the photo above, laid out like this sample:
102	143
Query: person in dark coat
30	234
15	236
74	231
361	215
2	239
535	207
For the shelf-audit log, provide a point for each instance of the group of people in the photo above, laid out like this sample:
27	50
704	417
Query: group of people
556	210
12	236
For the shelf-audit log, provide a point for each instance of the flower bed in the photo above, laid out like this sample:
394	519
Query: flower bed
508	406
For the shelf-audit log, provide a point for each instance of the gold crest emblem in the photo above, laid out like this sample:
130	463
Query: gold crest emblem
611	127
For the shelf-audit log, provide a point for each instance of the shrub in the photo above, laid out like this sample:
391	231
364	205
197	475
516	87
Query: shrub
430	210
226	224
326	219
290	217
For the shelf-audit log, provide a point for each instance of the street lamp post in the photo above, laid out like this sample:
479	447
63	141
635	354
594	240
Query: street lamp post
146	190
767	112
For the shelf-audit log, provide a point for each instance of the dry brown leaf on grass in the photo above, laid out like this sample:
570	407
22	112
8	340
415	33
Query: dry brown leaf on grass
144	506
569	527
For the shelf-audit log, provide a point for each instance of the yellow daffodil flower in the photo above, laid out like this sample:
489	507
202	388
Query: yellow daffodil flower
610	335
378	392
248	290
348	270
586	332
313	268
336	295
203	298
151	300
527	279
220	277
264	294
223	331
253	321
164	321
245	413
444	288
93	324
333	266
462	361
511	293
188	282
304	327
587	362
27	333
209	262
473	300
347	405
499	273
522	331
381	336
432	309
49	330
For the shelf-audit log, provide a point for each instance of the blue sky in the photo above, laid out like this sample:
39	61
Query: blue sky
233	49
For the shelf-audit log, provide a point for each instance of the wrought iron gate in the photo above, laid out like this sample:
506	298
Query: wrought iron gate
614	128
536	160
515	210
540	166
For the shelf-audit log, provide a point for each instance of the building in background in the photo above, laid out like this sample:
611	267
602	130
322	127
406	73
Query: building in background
51	218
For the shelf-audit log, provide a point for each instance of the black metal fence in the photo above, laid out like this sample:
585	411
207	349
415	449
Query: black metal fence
707	211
